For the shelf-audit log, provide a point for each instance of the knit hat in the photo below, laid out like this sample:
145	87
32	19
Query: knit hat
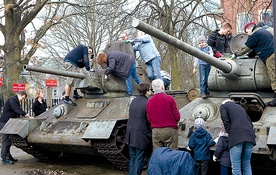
199	123
247	25
201	39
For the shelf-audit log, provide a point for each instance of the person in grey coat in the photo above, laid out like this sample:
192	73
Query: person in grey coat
236	121
138	132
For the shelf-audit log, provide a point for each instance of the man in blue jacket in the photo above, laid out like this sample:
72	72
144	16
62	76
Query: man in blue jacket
260	42
79	57
149	54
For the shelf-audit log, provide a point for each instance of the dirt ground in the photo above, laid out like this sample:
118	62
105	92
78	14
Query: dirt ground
28	165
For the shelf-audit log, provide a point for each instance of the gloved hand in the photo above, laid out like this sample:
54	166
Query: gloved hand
233	56
215	159
218	54
216	140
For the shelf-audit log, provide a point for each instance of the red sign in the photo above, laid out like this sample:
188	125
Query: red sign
18	87
1	81
51	82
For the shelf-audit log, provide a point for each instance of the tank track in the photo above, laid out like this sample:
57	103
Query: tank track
22	143
114	149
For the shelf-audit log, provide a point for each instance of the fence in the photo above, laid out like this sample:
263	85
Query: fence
26	105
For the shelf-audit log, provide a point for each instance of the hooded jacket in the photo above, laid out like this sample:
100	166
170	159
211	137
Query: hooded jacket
78	57
200	141
222	151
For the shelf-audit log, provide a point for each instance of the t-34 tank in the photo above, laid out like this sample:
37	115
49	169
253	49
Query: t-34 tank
96	126
243	80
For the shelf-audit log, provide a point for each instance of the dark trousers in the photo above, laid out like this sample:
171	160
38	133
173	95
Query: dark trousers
6	144
136	161
201	167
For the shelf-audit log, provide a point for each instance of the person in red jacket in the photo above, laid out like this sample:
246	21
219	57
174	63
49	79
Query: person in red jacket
163	115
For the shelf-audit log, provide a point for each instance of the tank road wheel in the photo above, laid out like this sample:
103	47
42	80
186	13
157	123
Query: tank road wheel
114	149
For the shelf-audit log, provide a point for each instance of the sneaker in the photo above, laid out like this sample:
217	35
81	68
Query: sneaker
204	96
69	102
128	95
7	162
77	96
272	103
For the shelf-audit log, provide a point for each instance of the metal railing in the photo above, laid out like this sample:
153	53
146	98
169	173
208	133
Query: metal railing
26	105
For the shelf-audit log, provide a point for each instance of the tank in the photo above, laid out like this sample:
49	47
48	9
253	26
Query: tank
243	80
96	126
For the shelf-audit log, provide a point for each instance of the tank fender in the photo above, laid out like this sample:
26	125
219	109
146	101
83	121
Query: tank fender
99	130
21	127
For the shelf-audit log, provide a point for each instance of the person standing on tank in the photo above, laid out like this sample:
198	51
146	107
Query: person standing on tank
218	40
12	109
260	42
149	54
236	121
163	115
204	68
138	132
79	57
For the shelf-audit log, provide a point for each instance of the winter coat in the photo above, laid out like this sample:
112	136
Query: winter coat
146	47
12	109
119	63
165	161
201	141
262	43
138	132
78	57
218	42
39	108
222	151
236	121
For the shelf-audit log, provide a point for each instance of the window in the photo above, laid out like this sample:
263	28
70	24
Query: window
242	19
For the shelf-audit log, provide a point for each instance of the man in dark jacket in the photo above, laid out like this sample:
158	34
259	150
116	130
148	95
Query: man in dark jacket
138	132
236	121
120	64
79	57
201	141
12	109
261	42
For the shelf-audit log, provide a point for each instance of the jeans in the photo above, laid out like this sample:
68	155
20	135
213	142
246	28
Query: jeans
153	68
204	70
133	74
136	161
240	156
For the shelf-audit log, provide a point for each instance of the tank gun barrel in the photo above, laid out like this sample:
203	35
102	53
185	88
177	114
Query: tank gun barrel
222	65
54	72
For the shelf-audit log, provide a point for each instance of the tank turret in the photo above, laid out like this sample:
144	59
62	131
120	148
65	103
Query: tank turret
226	75
244	80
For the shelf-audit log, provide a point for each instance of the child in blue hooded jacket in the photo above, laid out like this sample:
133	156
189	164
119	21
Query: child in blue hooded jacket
200	142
